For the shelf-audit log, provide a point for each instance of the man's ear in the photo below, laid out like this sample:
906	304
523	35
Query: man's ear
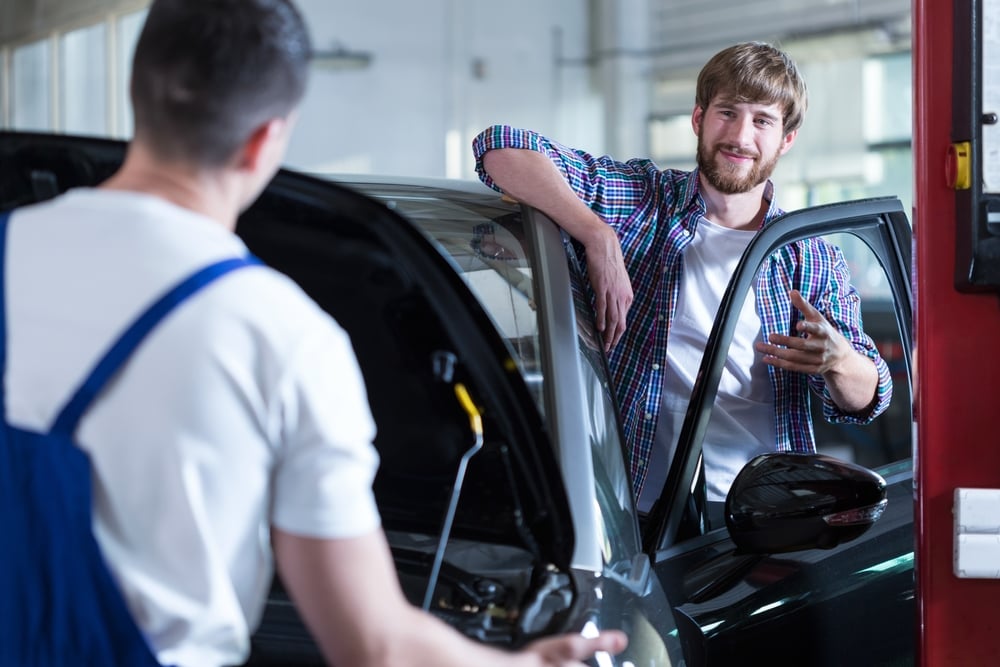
696	117
788	140
257	146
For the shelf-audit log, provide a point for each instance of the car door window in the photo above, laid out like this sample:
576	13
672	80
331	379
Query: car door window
888	438
874	237
792	604
884	440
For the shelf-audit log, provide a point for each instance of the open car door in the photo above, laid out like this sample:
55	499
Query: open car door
740	593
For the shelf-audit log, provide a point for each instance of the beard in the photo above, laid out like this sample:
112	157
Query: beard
729	178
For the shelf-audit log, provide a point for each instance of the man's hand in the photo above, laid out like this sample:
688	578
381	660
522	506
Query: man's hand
817	349
820	349
611	283
570	650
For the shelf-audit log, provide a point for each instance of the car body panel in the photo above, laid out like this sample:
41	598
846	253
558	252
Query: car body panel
817	607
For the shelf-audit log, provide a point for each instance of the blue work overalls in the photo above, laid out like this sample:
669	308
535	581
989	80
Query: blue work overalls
59	604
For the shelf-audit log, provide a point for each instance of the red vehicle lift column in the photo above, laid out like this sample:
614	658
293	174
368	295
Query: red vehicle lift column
957	331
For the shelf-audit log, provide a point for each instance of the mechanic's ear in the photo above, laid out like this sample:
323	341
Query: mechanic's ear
259	145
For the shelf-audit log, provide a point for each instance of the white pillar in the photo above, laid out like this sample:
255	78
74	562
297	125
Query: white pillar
622	29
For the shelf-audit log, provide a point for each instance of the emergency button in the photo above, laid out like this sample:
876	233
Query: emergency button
958	166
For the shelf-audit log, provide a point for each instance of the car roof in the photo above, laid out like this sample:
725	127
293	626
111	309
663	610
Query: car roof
432	185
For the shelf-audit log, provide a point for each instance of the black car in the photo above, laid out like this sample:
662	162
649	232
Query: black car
503	486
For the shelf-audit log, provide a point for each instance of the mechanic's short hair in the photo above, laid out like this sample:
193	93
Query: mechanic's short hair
758	73
207	73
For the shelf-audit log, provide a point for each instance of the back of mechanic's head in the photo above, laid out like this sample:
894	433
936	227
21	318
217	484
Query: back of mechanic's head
206	73
757	73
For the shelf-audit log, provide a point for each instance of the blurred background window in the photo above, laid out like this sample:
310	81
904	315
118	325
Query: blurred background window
83	81
31	93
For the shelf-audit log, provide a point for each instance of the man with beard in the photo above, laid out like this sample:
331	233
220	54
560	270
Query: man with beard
676	237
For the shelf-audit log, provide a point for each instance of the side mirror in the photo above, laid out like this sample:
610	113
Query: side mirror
787	502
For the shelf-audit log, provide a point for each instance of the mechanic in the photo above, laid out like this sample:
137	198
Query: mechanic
661	246
238	426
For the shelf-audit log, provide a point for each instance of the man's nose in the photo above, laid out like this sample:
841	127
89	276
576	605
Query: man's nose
742	131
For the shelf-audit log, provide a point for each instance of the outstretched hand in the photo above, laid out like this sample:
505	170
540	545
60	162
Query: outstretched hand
572	650
612	287
818	349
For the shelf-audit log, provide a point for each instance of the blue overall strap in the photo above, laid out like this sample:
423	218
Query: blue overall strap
113	359
3	316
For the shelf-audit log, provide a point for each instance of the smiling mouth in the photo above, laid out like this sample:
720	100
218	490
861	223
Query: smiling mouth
736	153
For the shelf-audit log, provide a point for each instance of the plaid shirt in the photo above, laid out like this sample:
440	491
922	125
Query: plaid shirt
654	214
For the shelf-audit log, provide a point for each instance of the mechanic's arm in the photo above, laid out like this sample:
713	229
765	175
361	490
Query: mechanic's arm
532	178
820	349
348	593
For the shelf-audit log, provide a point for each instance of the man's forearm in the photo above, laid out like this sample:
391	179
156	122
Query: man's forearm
531	178
854	385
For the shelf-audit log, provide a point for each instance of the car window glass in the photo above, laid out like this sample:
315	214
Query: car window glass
613	487
486	244
888	438
885	440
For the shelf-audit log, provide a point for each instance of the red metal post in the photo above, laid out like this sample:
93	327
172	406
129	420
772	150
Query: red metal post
957	371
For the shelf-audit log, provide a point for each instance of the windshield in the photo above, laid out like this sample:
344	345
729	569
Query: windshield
483	236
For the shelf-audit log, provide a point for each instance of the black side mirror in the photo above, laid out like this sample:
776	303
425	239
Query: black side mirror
786	502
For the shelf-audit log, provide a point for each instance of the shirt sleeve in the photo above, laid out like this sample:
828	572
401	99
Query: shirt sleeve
327	462
842	308
612	189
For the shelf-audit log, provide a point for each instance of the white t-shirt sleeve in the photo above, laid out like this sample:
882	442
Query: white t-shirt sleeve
326	462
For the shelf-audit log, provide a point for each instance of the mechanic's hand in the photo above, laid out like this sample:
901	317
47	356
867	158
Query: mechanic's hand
571	650
612	286
818	349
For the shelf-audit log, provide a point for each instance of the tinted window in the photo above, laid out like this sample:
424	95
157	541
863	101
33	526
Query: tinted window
887	439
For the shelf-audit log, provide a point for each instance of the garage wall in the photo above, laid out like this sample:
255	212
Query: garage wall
438	73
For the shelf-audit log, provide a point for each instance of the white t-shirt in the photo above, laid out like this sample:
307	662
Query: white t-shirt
742	423
244	408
